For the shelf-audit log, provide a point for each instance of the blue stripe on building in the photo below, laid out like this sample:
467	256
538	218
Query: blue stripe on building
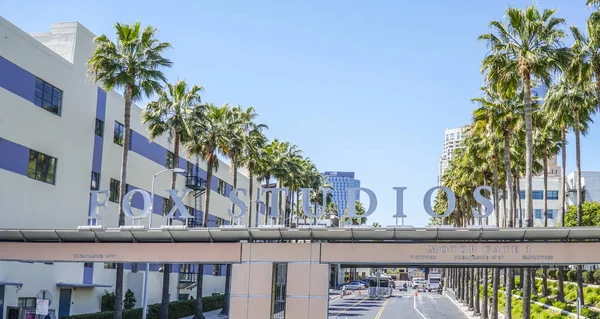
13	157
17	80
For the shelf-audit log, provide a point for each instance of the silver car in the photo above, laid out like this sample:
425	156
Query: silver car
355	285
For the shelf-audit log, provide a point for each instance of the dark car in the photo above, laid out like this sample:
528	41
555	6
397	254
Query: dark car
365	282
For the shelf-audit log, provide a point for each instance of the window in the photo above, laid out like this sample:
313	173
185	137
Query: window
95	181
110	266
190	169
537	213
115	187
134	267
47	97
26	302
534	195
99	127
221	188
216	270
119	133
552	213
170	160
220	221
552	195
190	210
88	265
41	167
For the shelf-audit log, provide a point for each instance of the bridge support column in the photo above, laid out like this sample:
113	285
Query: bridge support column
251	290
307	291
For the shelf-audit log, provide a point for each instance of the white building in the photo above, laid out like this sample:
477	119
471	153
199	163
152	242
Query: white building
590	183
59	138
452	141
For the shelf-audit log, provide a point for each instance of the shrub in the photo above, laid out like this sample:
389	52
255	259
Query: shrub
571	296
177	309
586	312
588	277
559	304
597	276
129	301
539	273
108	301
572	275
591	298
552	274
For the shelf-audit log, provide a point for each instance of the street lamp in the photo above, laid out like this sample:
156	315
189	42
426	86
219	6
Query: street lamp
145	297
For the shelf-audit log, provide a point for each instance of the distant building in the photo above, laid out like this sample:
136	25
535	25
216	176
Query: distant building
590	183
340	182
452	141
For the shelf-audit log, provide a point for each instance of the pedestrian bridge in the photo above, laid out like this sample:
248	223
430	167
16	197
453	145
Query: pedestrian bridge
306	253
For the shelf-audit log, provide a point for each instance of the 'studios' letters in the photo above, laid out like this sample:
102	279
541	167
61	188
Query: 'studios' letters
96	204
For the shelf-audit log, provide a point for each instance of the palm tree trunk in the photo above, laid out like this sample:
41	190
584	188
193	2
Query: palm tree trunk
471	287
477	305
164	302
200	279
545	281
495	282
251	196
579	198
484	306
560	295
514	198
267	179
496	191
545	160
503	217
118	314
227	294
508	194
234	166
563	196
519	202
508	274
528	183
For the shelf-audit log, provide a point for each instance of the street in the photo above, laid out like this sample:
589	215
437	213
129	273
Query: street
403	305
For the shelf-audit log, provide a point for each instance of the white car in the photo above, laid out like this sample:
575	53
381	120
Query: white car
355	285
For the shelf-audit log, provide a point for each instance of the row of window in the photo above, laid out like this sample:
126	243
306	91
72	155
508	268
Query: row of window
185	268
539	213
551	195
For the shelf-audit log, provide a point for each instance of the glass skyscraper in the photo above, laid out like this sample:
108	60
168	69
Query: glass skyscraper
340	182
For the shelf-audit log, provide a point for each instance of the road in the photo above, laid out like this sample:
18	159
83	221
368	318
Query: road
403	305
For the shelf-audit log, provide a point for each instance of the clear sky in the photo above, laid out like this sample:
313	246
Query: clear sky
363	86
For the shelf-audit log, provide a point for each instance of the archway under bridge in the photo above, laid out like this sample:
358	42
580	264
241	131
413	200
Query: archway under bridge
257	254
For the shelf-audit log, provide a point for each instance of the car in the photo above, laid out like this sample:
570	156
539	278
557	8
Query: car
354	285
365	282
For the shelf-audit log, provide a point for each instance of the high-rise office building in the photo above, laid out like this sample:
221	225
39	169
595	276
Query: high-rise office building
340	182
452	141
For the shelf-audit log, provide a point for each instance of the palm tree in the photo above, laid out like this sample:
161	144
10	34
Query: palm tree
580	99
170	114
211	134
132	63
528	44
586	63
253	151
503	116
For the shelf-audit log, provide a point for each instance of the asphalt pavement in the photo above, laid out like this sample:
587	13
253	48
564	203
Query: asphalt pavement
405	305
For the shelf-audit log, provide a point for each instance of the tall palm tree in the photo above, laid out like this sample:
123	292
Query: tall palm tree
580	99
211	134
586	48
527	44
171	114
253	152
241	123
134	64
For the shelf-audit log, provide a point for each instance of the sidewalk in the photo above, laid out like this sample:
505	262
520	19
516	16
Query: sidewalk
463	308
209	315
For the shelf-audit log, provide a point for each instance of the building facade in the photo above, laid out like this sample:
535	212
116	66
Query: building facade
452	141
60	137
340	182
590	184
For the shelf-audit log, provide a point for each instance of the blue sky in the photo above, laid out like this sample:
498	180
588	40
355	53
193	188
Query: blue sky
359	86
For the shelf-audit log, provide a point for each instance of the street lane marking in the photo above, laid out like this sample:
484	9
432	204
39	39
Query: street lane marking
355	304
415	306
382	308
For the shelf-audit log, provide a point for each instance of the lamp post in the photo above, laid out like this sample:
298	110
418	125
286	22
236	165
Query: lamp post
145	293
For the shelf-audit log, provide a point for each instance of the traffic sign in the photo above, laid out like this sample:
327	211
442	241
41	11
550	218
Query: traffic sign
45	295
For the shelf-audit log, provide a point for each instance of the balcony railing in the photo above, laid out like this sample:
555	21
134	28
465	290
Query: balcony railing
187	277
195	182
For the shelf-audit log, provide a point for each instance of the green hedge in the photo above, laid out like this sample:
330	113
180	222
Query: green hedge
177	309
